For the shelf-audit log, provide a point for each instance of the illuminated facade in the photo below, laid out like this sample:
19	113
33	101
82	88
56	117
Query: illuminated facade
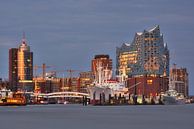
25	62
86	79
145	63
126	56
103	64
146	55
21	67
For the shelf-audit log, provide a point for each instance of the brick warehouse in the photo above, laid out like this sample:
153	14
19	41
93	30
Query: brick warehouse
147	85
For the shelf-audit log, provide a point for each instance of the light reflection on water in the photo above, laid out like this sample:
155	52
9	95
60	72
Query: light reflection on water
96	117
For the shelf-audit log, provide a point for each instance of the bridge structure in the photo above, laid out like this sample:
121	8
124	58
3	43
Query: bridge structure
65	94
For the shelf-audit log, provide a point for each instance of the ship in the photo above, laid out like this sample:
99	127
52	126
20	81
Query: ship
105	86
8	98
110	88
172	97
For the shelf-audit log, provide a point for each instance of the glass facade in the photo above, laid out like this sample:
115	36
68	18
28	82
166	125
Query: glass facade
146	55
21	68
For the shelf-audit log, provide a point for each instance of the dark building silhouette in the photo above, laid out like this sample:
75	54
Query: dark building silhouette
13	69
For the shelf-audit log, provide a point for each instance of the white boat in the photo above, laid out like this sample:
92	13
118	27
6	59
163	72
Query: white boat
104	86
109	88
172	97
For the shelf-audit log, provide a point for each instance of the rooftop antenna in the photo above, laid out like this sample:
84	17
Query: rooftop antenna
24	38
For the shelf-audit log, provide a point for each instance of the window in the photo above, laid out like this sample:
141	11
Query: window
149	82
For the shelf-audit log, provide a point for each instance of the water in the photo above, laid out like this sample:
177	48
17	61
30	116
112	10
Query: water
97	117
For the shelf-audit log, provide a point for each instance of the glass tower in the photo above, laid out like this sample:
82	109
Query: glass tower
21	67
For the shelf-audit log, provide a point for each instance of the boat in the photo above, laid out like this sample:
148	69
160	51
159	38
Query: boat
171	97
17	99
62	102
44	102
105	87
112	88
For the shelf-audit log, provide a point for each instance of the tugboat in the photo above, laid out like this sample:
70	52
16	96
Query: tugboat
16	99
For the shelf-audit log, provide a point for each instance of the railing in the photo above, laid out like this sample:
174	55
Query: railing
62	94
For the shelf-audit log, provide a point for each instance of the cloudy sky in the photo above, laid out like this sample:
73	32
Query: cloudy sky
68	33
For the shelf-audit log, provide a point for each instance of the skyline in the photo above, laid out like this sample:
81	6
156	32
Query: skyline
93	27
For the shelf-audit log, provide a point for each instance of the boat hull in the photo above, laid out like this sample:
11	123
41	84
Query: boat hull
97	92
170	100
13	102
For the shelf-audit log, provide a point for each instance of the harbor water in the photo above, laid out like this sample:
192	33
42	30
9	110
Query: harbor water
73	116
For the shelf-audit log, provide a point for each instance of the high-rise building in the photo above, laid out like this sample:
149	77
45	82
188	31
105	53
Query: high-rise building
146	55
103	64
145	62
179	80
21	67
25	62
13	69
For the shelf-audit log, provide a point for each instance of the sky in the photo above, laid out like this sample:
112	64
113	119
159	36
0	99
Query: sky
66	34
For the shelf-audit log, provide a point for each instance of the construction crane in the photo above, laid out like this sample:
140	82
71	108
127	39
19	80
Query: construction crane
44	67
36	80
69	71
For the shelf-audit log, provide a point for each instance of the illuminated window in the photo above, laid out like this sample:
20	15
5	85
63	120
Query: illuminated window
149	82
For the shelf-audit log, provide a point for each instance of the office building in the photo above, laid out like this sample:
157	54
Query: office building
21	67
13	69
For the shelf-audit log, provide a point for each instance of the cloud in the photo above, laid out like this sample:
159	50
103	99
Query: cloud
7	43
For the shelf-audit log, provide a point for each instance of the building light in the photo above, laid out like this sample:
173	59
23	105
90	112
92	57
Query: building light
149	82
23	81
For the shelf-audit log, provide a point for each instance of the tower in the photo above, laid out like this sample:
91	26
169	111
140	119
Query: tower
21	67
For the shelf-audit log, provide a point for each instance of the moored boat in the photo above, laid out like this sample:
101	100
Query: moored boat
17	99
105	87
171	97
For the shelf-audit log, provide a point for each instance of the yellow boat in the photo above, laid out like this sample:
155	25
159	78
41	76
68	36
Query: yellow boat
17	99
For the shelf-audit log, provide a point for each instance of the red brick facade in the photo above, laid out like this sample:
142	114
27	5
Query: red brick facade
147	85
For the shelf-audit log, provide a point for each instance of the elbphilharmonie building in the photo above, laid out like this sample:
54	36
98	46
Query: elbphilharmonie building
146	55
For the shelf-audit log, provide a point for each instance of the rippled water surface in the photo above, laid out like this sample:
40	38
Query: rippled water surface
97	117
